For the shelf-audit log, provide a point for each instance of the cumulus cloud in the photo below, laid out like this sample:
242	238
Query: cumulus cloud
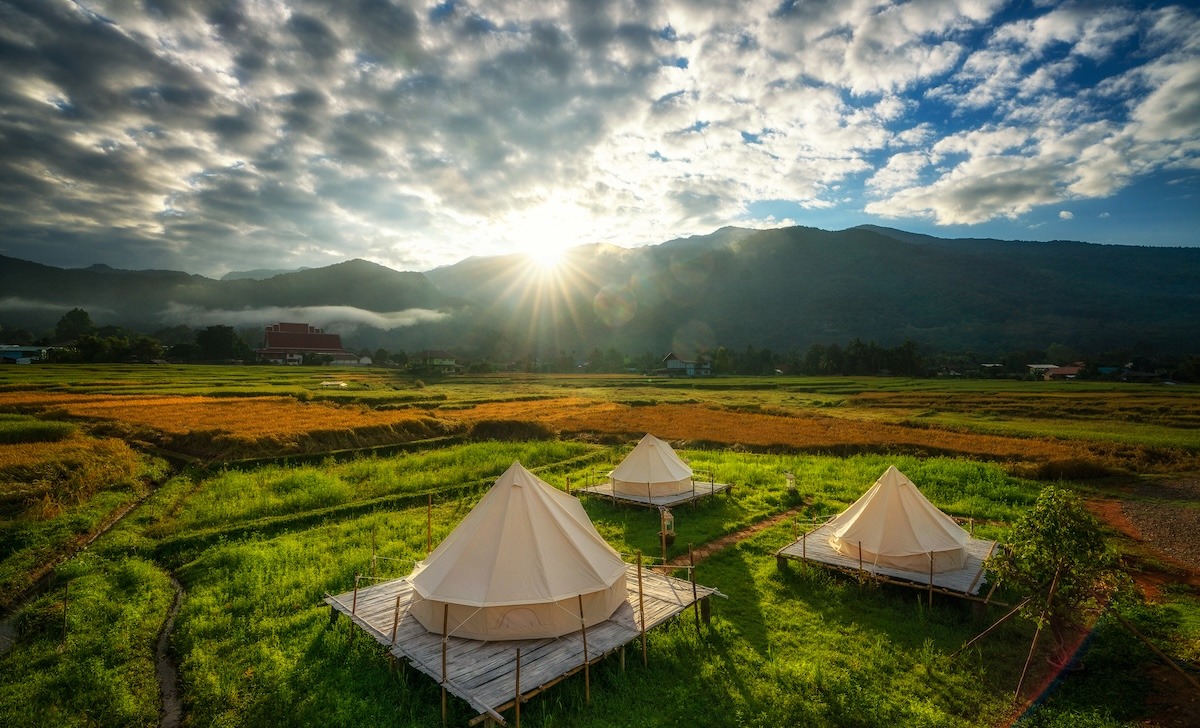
332	318
1065	215
223	135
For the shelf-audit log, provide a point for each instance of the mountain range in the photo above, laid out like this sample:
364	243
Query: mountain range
783	289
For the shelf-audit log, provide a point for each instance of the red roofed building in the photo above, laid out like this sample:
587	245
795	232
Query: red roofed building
289	343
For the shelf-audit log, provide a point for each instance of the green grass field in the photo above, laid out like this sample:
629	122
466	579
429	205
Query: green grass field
256	548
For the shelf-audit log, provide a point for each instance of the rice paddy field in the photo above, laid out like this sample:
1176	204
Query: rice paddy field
227	501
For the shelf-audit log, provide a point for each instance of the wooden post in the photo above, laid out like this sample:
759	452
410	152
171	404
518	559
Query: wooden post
804	547
692	576
354	603
373	560
395	619
518	699
429	526
642	607
622	658
1037	633
587	670
66	601
568	485
931	580
445	640
988	631
662	533
860	569
1129	626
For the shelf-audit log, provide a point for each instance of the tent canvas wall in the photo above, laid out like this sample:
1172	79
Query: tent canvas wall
897	526
652	469
516	566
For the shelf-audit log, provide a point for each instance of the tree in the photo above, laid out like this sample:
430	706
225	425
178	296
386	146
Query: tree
1059	546
73	325
218	343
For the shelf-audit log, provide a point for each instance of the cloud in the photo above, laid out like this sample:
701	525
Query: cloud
332	318
215	136
14	303
1065	215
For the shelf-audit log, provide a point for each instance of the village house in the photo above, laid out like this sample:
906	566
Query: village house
434	361
676	366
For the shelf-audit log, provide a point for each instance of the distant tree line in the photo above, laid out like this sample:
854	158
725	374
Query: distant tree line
76	338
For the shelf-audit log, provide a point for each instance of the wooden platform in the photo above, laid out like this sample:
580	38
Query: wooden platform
699	490
968	581
483	673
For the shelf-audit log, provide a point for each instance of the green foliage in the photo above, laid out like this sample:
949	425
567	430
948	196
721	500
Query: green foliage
1057	545
74	324
103	674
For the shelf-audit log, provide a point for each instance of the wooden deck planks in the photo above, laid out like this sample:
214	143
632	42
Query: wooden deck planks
815	547
482	673
702	490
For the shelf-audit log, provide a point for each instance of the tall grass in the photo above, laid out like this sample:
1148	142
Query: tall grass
235	495
103	674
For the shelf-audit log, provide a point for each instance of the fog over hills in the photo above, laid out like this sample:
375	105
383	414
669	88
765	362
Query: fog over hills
783	289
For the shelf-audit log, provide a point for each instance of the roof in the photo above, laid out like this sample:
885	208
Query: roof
433	354
525	542
315	343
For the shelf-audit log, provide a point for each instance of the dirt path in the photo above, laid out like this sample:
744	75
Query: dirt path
171	711
710	548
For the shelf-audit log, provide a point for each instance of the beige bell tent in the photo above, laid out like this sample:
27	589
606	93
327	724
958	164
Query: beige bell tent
898	527
516	566
652	469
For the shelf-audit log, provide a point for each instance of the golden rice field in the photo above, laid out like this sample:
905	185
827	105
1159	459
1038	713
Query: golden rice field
808	432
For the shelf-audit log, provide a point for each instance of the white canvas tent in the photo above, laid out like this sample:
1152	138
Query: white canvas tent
897	526
651	469
517	565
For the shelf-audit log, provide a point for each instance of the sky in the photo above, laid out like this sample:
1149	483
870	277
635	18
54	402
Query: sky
223	135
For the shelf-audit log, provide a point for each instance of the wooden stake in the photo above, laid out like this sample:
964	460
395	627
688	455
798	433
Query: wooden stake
1037	633
429	526
642	607
1174	666
518	700
587	671
354	604
66	600
395	619
804	546
662	533
860	560
373	560
445	640
692	576
931	580
988	631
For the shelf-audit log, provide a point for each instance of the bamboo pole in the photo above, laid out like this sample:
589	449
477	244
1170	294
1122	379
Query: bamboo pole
587	670
804	547
931	580
860	561
662	532
1037	633
373	560
66	602
642	607
429	526
518	698
354	603
1161	655
395	619
445	640
988	631
692	577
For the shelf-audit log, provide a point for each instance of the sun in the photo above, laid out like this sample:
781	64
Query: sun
545	257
